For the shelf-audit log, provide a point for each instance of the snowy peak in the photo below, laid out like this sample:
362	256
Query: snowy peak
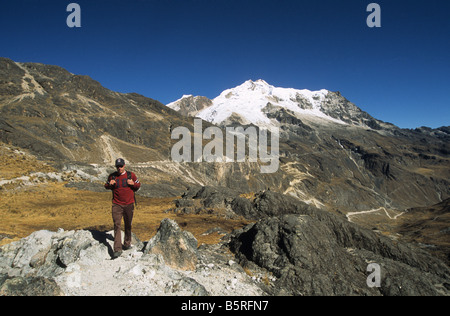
249	100
252	101
257	86
260	89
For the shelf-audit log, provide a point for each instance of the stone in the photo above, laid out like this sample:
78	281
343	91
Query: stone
177	247
28	286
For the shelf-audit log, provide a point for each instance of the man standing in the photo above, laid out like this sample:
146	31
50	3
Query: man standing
124	184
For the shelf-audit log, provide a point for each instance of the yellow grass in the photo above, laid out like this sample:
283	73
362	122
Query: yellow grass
19	163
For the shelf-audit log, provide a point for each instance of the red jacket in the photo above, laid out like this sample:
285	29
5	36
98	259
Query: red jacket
123	194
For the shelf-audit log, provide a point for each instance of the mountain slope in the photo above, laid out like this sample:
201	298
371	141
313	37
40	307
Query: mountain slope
335	155
69	117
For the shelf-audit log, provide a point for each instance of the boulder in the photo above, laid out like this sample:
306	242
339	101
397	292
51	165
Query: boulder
47	254
28	286
26	254
178	248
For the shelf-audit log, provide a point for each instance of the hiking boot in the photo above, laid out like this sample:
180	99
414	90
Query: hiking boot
117	254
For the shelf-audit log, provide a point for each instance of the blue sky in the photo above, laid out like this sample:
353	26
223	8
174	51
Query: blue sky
163	49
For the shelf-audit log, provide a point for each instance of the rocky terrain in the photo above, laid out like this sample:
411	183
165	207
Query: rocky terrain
79	263
300	251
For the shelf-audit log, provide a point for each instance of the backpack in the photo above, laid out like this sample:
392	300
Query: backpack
129	178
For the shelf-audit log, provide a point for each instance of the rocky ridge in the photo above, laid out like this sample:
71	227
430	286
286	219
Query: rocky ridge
293	249
79	263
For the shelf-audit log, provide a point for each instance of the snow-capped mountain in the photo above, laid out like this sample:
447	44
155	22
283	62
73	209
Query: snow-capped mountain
256	102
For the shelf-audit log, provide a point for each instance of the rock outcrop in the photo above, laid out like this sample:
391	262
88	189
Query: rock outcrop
79	263
28	286
227	202
313	252
177	247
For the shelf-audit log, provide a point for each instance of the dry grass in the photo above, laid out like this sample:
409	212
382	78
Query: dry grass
18	162
52	206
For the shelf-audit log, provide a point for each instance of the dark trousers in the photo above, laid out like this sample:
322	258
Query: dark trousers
119	211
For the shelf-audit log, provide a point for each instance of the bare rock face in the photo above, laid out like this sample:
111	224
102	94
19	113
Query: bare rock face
317	253
29	266
178	248
28	286
190	105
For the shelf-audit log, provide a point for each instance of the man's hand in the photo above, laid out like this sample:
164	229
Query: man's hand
112	183
130	182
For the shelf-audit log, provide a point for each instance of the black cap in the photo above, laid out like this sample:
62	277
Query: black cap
120	162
